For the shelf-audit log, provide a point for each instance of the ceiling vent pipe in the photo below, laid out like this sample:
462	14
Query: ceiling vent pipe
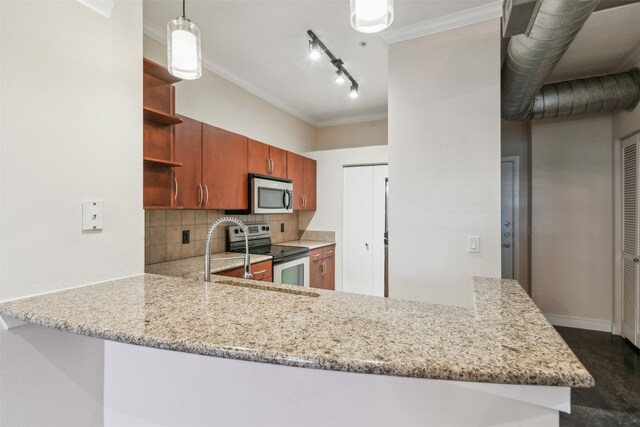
591	95
531	59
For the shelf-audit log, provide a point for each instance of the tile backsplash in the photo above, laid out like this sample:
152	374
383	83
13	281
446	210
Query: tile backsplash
163	232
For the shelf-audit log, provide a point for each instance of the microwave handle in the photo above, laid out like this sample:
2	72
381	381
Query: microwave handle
286	199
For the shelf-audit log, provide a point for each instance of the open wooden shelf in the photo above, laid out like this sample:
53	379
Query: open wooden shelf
162	162
162	207
159	72
160	117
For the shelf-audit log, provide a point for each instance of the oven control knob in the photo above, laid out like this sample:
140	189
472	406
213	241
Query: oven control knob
267	228
264	228
235	231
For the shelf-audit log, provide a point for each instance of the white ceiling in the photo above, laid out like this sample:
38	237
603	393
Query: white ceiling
608	42
262	46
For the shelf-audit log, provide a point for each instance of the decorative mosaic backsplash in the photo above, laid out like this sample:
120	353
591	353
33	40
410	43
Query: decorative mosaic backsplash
164	230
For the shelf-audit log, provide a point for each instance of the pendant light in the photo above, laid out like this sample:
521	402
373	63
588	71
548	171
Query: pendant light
339	76
183	48
371	16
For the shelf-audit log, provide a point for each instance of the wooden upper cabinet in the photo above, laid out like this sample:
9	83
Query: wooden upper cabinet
224	169
295	172
188	151
267	160
258	157
309	184
278	158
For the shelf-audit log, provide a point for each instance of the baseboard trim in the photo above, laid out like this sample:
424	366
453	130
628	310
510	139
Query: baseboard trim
580	322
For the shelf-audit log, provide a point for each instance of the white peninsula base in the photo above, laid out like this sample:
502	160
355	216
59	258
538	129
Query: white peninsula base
151	387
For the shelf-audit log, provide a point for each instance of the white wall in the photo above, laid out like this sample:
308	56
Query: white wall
71	129
444	162
329	216
352	135
214	100
572	220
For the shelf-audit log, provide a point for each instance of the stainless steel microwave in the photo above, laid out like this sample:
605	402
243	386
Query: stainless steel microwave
270	195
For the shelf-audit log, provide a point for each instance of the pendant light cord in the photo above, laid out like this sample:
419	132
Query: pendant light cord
183	12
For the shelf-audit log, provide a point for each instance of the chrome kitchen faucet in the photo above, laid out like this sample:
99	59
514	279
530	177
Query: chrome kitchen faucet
207	251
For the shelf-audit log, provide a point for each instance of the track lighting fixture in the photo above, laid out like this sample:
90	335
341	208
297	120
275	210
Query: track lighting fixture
316	47
353	92
183	48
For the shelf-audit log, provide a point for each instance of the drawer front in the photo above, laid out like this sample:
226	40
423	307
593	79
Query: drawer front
315	255
261	271
328	251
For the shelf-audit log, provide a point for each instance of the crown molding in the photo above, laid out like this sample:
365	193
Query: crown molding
160	36
352	119
443	23
103	7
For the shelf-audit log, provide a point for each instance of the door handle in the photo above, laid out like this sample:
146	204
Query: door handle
636	260
175	196
324	268
201	194
207	190
506	245
366	245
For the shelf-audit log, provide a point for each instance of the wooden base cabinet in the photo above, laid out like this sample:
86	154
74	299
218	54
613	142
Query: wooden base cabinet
262	271
322	263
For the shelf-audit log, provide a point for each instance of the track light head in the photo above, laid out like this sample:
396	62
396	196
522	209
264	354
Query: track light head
353	93
339	76
314	49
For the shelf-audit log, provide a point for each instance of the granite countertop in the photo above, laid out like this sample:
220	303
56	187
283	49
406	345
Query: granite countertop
311	244
193	268
503	339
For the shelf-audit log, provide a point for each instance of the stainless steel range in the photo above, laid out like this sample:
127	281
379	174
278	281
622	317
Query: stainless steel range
290	263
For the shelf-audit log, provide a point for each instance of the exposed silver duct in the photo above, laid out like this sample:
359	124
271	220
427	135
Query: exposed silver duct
591	95
531	59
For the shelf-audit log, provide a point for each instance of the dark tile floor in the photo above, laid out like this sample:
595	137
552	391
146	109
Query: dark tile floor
615	400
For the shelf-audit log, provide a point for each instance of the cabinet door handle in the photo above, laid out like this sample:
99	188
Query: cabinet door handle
175	196
207	199
271	166
200	192
324	268
259	272
304	201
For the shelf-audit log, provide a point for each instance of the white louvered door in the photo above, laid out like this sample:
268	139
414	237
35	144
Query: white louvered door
630	265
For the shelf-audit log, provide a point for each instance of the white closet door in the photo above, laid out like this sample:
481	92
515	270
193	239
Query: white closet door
380	174
630	321
357	272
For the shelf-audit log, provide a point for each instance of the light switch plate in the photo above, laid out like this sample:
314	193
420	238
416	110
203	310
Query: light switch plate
473	244
92	215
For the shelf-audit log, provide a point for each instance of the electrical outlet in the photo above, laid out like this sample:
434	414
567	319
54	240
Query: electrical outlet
186	238
282	227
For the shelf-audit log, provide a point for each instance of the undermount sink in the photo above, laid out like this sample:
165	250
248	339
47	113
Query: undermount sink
269	288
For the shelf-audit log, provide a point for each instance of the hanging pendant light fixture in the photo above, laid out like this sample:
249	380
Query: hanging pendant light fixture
371	16
183	48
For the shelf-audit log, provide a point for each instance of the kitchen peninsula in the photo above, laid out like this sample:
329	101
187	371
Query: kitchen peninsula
433	364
